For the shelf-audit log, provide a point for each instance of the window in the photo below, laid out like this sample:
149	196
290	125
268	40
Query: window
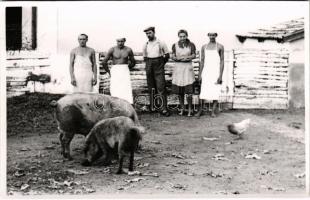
13	28
21	28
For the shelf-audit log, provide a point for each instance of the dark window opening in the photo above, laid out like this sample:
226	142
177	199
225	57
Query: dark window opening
13	28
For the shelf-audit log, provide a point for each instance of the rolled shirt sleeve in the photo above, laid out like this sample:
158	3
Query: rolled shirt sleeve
164	47
144	50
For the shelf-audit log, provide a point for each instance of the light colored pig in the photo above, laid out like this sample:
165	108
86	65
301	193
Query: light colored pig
77	114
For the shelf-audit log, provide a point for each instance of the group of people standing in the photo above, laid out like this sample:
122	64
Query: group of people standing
83	70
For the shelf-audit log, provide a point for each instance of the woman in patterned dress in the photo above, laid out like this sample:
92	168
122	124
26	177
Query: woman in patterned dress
183	77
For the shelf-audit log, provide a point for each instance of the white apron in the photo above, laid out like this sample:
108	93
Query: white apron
210	90
183	72
83	74
120	84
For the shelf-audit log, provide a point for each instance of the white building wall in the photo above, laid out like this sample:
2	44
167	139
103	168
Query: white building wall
48	40
297	74
297	51
296	65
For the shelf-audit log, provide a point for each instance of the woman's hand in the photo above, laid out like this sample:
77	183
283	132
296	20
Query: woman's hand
73	81
219	80
94	81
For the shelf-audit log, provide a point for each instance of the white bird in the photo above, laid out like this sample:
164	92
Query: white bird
239	128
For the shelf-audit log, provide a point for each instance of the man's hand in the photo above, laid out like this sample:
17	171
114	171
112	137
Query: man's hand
219	80
73	81
94	81
199	78
130	65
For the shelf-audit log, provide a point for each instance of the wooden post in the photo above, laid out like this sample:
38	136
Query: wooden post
27	21
233	76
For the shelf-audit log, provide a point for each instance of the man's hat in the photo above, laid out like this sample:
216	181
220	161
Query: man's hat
151	28
212	33
121	39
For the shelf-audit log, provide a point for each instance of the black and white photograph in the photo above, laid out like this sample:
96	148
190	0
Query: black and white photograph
155	98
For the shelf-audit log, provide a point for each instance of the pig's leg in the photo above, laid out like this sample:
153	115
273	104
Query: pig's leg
120	163
131	158
61	134
66	140
105	151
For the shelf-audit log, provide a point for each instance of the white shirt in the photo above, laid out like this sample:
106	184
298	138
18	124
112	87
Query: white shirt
154	49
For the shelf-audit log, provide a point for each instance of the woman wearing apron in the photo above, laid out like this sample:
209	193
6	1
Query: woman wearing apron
183	77
210	73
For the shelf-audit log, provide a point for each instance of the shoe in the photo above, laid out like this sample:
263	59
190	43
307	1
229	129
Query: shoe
165	113
181	112
213	115
199	113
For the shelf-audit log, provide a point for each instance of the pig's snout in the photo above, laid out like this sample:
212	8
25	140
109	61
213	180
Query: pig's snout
85	163
53	103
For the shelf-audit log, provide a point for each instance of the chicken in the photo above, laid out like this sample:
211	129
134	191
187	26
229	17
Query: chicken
239	128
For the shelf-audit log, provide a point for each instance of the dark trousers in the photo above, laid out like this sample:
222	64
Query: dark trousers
155	77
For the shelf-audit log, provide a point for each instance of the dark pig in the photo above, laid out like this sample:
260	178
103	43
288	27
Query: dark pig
118	134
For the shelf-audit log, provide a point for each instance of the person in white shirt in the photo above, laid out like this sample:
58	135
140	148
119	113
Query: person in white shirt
156	54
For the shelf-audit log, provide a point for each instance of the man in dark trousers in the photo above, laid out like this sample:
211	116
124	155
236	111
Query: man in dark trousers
156	55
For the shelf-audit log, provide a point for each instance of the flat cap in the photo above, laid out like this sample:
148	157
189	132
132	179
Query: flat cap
151	28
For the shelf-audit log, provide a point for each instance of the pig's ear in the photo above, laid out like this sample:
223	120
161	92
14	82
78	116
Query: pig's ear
141	130
134	133
88	137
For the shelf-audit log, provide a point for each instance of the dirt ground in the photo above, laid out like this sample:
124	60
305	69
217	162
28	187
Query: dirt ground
179	155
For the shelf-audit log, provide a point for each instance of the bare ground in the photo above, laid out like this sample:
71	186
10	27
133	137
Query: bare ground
179	155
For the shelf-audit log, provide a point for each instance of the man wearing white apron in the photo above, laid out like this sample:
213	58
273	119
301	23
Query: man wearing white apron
210	73
83	68
123	60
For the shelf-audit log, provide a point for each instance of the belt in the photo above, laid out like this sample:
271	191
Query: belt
183	61
157	58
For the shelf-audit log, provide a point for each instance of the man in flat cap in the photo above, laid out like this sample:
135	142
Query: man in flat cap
211	72
83	68
122	59
156	54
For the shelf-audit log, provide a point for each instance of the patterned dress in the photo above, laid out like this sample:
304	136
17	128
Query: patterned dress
183	75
